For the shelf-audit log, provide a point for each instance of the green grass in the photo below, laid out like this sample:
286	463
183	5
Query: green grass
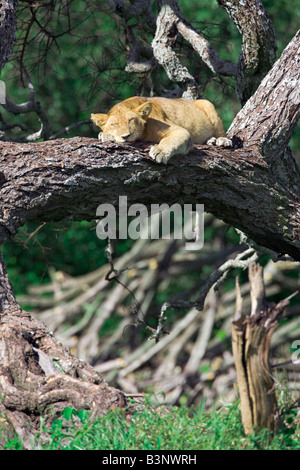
167	429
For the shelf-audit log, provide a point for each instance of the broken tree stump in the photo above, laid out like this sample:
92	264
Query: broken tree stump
251	337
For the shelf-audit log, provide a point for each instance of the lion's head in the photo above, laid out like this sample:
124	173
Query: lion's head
123	124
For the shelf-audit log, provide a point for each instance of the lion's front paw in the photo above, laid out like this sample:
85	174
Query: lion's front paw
212	141
223	142
220	142
105	137
159	155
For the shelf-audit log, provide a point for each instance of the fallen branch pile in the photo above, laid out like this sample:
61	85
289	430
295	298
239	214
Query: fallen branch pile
182	347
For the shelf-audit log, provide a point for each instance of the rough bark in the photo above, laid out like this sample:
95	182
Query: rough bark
251	336
8	26
68	179
170	22
270	116
253	22
163	44
258	46
7	297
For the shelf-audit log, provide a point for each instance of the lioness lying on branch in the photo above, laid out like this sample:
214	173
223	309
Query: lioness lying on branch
173	124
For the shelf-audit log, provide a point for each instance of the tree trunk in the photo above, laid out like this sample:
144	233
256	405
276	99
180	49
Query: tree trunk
38	375
270	116
258	47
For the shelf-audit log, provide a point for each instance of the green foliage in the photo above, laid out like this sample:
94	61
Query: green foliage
165	428
70	247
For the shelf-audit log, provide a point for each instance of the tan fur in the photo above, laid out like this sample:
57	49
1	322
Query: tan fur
173	124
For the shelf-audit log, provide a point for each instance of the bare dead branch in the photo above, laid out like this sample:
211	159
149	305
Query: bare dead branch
242	261
170	22
31	106
204	334
67	129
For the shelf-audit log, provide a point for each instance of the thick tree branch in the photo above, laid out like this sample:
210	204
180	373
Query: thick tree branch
279	90
259	195
269	118
68	179
163	44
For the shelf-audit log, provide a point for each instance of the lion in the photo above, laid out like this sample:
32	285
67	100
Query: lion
173	124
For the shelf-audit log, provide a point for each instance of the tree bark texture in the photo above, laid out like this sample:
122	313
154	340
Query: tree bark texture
68	179
258	44
170	22
38	375
8	26
270	116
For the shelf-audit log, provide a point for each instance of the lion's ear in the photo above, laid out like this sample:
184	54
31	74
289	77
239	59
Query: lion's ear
99	119
144	110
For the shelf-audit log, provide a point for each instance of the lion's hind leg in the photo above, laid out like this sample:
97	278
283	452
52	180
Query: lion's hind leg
219	137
